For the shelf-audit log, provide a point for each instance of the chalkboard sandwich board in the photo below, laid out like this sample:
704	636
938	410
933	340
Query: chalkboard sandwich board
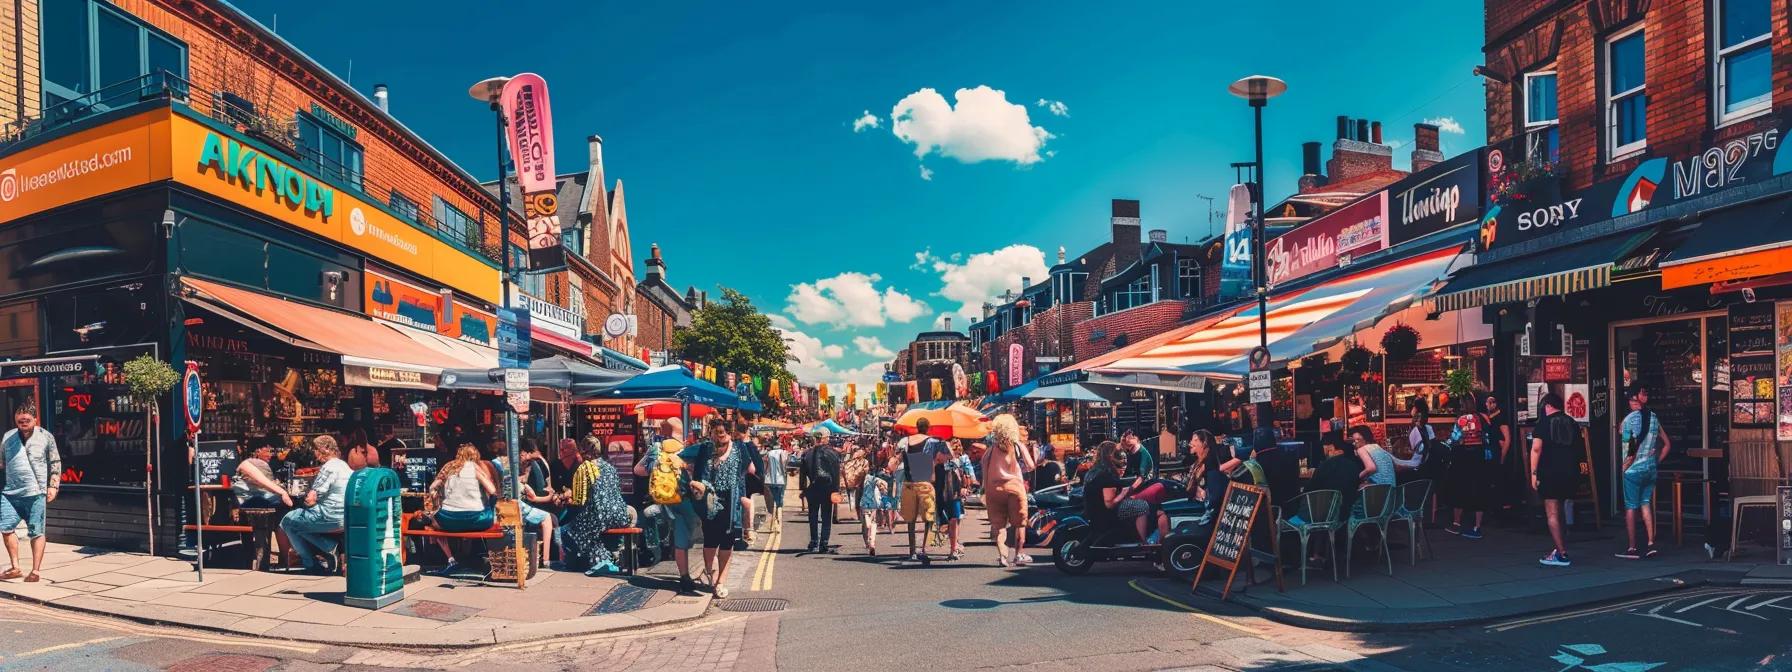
1230	545
216	462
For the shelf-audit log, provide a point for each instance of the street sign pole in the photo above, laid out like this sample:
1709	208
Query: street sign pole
193	407
512	485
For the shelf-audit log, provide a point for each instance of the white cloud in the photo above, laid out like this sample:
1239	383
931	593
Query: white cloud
1056	107
984	126
1447	125
780	321
851	300
926	174
871	346
810	365
866	120
986	274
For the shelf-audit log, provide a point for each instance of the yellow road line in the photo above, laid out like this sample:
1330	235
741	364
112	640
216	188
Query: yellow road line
771	558
1192	611
60	647
767	555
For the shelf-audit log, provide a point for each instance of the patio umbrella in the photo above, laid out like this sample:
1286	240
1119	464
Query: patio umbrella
952	422
660	410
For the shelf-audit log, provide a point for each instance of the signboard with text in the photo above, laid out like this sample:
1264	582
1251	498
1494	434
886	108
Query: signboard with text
513	338
1328	242
1235	265
1441	197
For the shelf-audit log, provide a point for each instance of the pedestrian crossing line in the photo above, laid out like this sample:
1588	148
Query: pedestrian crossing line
1513	625
1192	611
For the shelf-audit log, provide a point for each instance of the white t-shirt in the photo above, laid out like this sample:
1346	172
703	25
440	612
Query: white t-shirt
775	461
331	486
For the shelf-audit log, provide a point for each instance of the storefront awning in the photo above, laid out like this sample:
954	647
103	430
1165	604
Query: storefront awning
572	345
1298	321
1562	270
469	355
373	354
1075	392
1744	242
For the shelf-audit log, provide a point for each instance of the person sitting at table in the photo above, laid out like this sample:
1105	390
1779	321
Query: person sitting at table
306	528
254	484
594	505
465	487
1341	471
1377	463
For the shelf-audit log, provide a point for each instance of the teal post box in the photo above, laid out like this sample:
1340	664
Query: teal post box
373	532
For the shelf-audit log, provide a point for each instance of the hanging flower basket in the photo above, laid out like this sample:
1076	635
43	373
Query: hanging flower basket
1400	342
1354	363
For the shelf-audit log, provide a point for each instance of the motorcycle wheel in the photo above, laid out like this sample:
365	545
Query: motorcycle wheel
1071	557
1182	557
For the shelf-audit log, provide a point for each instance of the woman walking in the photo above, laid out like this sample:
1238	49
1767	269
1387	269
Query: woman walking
1469	475
875	503
719	474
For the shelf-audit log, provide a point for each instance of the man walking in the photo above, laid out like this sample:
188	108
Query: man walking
819	476
33	469
775	478
1555	466
918	497
1643	438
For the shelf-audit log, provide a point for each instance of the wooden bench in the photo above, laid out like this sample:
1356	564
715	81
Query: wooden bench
494	532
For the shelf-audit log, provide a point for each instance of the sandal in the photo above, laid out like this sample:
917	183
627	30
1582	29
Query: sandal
32	578
11	574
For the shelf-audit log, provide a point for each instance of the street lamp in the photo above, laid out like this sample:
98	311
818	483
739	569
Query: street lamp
1257	90
488	91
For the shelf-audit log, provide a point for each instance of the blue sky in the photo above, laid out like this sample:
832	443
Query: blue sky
733	126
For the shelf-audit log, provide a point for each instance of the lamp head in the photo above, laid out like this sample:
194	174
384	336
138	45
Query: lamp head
1258	89
487	90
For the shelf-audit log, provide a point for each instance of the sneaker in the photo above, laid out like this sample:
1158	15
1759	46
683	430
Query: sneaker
446	570
1022	560
1454	528
1152	539
955	556
1628	554
687	586
721	592
829	550
1651	551
1554	559
1472	533
1710	552
812	548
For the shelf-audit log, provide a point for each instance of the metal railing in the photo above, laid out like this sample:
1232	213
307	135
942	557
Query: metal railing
375	183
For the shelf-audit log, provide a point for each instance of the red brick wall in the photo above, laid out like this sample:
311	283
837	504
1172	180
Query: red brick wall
655	325
1044	336
1137	323
1531	35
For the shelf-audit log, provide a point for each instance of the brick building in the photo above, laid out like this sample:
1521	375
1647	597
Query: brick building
660	310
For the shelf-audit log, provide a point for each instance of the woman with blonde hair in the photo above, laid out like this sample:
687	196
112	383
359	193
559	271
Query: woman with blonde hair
1005	489
323	511
465	487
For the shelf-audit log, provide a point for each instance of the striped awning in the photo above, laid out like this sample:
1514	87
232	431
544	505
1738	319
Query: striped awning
1553	284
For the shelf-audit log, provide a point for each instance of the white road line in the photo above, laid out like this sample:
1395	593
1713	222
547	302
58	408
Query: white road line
1513	625
1701	603
1652	614
1771	603
1740	600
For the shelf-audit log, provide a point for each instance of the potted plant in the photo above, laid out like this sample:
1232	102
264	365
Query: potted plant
1400	342
1460	383
1354	363
146	379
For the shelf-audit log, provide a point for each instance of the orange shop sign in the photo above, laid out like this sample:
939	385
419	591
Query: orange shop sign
472	325
389	298
94	162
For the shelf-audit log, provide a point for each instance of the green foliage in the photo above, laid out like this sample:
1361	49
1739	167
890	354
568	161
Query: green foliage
1459	382
148	378
732	335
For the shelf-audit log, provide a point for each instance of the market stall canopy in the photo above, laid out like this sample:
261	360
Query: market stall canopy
675	383
373	354
660	410
956	421
1076	392
1011	395
774	425
832	428
1298	321
1745	242
561	374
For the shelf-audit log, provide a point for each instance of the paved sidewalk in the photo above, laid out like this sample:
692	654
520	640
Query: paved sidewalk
1469	581
436	612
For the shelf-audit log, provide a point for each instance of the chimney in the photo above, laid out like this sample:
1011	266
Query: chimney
946	322
1357	152
1126	231
1310	177
381	97
656	267
989	310
1158	236
1025	282
1060	254
1425	149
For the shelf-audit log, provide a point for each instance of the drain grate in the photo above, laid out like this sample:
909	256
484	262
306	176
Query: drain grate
622	599
435	611
753	604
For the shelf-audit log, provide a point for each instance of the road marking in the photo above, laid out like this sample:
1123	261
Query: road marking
60	647
1652	613
1770	603
1513	625
1700	603
762	575
1740	600
1193	611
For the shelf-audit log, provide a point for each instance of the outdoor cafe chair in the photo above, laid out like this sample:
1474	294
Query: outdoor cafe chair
1413	496
1378	508
1317	511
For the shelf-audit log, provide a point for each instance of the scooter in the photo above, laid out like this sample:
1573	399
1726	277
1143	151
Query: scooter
1077	545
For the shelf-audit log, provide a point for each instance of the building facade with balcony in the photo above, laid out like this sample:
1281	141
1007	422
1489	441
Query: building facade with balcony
178	181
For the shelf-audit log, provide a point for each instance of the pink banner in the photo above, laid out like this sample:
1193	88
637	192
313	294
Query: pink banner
531	136
1327	242
1015	355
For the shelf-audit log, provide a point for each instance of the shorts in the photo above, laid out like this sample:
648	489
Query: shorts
952	510
1007	506
1557	485
719	531
774	494
1639	489
1132	508
531	515
465	521
684	523
30	508
917	501
262	500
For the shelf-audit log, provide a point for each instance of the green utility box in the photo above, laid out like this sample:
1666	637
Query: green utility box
373	532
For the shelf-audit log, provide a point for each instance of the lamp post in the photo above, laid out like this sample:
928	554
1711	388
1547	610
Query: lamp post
1257	90
488	91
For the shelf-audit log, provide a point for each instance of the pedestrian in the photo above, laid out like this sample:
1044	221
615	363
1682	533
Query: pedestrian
754	482
1507	472
874	503
33	473
1377	464
668	479
358	452
308	527
1646	443
949	483
594	506
718	476
1005	490
530	513
776	461
1428	454
1469	475
1139	462
254	484
915	471
1555	468
818	477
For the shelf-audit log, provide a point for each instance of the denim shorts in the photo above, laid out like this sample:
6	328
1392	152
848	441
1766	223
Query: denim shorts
684	523
531	515
1639	489
28	507
465	521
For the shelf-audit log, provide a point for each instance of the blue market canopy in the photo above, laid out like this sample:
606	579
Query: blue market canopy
1013	394
675	383
557	373
830	427
1076	392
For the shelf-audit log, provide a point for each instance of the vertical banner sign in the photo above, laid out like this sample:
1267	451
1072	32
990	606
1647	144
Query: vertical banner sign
1015	354
1235	270
531	135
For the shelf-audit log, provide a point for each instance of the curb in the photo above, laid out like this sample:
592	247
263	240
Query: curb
398	638
1441	618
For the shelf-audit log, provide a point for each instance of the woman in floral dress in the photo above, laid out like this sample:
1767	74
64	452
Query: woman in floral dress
597	505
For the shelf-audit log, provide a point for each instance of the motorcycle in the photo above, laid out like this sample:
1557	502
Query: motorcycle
1077	545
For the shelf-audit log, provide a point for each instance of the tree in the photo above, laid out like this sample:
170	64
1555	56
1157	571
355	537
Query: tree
732	335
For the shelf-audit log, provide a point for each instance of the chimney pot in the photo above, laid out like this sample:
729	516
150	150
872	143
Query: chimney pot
1343	127
1060	254
1375	132
1362	130
1025	282
947	320
1158	236
382	97
1309	158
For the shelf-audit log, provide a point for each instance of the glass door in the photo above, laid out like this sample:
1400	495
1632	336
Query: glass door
1669	357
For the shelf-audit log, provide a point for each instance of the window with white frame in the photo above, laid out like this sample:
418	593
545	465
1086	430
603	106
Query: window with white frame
1744	58
1626	97
1541	122
1135	293
1188	278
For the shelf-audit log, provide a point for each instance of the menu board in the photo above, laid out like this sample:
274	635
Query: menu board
217	461
1231	538
1783	350
420	470
1752	375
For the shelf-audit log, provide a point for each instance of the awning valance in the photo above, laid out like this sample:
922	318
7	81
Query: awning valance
1745	242
1562	270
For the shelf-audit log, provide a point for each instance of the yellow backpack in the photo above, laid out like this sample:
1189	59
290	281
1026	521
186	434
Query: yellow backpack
663	482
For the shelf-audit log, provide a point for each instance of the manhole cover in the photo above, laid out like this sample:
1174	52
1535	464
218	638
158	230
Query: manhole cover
753	604
223	663
622	599
432	610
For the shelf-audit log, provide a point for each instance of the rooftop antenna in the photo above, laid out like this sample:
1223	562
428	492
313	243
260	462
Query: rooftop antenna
350	79
1210	215
276	27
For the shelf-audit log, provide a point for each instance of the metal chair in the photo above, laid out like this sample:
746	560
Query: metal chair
1377	503
1413	496
1318	512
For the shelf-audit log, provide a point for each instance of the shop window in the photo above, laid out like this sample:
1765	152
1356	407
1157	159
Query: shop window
1626	96
103	435
533	284
102	317
405	207
19	337
1136	293
330	152
307	276
91	241
89	47
1743	63
1541	121
459	227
